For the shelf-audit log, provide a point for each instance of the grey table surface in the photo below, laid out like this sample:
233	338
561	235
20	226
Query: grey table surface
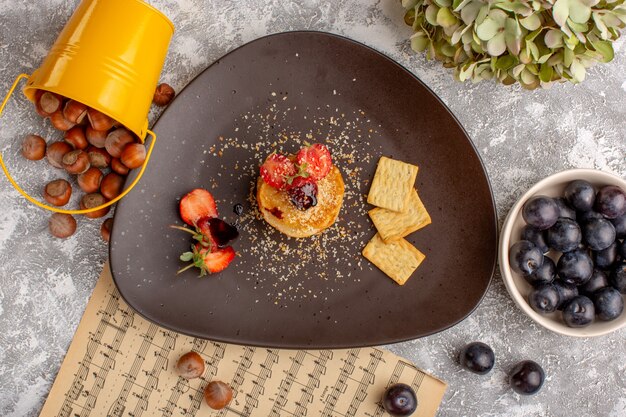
521	136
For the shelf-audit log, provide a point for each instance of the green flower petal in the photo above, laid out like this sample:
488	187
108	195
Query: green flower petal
496	45
445	18
532	22
488	29
553	39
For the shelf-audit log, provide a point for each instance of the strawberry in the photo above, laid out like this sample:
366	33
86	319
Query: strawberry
209	262
276	170
316	161
197	204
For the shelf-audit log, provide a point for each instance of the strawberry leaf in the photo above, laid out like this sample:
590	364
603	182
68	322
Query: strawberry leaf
186	257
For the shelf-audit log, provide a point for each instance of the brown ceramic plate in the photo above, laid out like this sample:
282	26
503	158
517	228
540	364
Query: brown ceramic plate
274	93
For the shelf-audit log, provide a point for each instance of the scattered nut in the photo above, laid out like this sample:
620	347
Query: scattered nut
99	120
118	167
47	103
62	225
59	122
57	192
218	395
133	155
76	137
111	185
92	200
76	162
34	147
96	137
105	229
163	95
98	157
75	111
190	365
89	181
117	140
55	153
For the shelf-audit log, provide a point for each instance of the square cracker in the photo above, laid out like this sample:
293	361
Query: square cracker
392	225
392	184
398	259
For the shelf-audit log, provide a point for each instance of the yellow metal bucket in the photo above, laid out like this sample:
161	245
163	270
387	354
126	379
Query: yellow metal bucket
109	56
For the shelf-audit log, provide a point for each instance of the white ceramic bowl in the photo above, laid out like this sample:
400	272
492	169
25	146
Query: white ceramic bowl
551	186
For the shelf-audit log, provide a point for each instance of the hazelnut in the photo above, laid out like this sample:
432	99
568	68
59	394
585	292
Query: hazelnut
118	167
133	155
92	200
95	137
59	122
105	229
190	365
89	181
98	157
163	95
76	162
34	147
47	103
75	111
62	225
111	185
55	153
117	140
76	137
218	395
57	192
99	120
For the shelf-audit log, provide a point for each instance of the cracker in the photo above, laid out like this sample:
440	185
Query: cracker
392	184
392	225
398	259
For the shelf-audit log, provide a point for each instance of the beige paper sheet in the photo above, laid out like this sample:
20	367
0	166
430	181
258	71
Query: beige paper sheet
119	364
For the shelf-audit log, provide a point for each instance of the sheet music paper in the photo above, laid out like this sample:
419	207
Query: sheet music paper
119	364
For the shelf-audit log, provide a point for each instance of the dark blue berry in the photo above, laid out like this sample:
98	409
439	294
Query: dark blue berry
575	267
564	236
580	195
597	281
544	298
620	226
526	378
564	209
477	357
611	202
537	237
525	258
617	279
605	258
566	293
621	249
586	216
598	234
579	312
609	303
400	400
544	274
540	212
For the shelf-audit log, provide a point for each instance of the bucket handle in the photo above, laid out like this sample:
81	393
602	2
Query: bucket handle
57	209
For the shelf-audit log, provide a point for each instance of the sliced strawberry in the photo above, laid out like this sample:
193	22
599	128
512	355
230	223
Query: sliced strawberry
276	170
218	260
197	204
209	262
316	160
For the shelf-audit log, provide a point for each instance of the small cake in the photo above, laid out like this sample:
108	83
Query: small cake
300	195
